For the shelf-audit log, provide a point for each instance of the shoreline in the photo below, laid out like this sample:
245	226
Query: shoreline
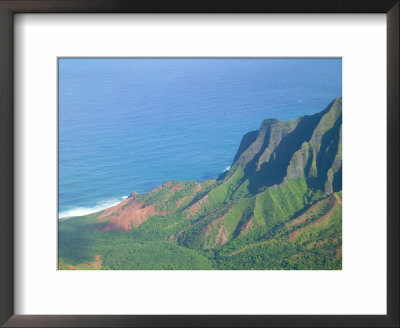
86	210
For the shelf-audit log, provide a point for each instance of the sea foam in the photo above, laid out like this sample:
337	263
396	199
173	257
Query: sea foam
80	211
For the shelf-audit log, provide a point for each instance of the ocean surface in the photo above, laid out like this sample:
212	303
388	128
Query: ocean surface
131	124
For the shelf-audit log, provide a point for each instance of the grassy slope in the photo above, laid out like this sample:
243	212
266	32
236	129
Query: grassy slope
316	245
266	245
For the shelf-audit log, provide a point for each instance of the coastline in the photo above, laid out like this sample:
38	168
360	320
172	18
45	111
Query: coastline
86	210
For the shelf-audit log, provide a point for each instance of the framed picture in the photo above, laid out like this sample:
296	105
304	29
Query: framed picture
181	163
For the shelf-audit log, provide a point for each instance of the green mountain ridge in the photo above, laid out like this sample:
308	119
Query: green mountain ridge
277	207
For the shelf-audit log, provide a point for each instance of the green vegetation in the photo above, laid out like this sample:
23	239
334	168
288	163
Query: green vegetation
278	207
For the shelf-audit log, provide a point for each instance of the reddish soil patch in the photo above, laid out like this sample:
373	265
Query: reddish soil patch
221	238
339	253
180	202
96	264
176	188
198	188
115	209
331	202
119	218
192	211
247	226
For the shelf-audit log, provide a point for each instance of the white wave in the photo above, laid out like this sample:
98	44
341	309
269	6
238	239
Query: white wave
80	211
227	168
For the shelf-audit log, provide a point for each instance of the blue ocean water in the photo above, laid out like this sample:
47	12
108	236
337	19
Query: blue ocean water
131	124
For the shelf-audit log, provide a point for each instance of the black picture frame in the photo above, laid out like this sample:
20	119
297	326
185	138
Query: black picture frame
10	7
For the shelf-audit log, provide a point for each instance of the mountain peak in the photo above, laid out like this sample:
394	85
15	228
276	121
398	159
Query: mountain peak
308	146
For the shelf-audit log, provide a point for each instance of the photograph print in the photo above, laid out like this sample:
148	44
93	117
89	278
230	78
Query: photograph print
199	163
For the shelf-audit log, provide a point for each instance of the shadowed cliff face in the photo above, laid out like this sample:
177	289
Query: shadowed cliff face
282	195
308	146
